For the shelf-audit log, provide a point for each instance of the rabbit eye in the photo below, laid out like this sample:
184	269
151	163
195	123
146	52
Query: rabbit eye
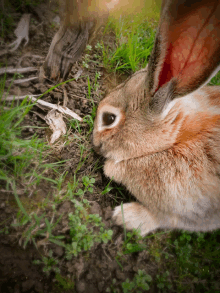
108	118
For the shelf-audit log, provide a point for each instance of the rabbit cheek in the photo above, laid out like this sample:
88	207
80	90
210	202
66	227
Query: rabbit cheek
116	170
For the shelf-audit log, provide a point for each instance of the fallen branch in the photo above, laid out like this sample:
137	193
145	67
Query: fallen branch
13	70
19	81
65	99
63	110
28	55
17	98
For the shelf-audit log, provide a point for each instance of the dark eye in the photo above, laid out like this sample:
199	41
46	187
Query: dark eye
108	118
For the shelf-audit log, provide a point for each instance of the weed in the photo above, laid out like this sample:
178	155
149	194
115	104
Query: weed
50	263
5	230
99	46
89	119
163	283
107	189
86	60
64	283
96	84
85	229
74	123
140	282
83	232
134	242
112	287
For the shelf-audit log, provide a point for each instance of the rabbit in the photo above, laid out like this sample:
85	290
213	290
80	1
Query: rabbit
160	130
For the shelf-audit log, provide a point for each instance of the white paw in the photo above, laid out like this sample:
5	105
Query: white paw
134	216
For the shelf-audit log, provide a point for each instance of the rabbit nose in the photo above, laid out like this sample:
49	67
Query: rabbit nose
95	147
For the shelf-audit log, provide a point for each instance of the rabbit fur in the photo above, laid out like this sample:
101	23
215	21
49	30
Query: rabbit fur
160	130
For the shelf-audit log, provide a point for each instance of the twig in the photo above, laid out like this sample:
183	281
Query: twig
39	115
65	100
13	98
19	81
61	109
13	70
28	55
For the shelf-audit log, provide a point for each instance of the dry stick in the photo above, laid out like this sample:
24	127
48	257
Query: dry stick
13	70
65	100
28	55
61	109
13	98
19	81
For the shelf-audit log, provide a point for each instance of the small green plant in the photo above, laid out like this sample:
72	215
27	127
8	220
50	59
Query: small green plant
64	283
134	242
89	119
112	289
107	188
163	282
5	230
85	229
86	60
50	263
87	186
140	283
96	84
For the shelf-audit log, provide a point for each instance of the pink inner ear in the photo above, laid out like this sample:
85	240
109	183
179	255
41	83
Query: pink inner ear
194	45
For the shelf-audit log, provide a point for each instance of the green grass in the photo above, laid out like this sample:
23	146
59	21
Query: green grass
17	155
215	80
134	39
190	262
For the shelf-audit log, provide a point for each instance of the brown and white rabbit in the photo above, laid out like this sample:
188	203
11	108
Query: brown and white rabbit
160	130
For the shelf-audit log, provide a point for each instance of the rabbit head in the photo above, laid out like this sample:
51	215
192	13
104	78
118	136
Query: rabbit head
166	104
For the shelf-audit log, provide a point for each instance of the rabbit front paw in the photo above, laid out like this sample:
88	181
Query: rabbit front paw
134	216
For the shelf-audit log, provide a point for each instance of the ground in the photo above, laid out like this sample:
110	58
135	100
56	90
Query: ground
104	267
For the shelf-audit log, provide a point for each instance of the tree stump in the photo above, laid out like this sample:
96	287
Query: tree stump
80	20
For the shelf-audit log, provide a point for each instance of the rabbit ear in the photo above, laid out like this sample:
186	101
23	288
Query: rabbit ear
187	46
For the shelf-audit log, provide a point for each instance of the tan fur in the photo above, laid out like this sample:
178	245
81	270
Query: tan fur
179	185
167	155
